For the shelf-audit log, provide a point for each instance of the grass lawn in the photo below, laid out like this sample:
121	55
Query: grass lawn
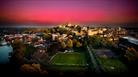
109	62
112	65
68	61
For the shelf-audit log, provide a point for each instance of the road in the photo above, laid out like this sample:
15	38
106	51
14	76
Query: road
93	59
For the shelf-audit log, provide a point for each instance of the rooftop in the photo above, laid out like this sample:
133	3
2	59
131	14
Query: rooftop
131	39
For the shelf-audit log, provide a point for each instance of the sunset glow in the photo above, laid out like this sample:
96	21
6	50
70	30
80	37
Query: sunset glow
77	11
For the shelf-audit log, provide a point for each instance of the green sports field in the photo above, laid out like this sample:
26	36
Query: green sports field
68	60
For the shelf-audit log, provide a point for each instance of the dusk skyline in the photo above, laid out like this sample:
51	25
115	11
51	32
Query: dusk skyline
74	11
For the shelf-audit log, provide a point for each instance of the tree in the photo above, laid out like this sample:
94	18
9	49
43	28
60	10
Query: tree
78	44
40	57
74	42
47	36
31	68
62	30
18	53
34	40
53	30
78	28
29	50
95	41
63	45
131	54
69	43
46	30
53	49
1	39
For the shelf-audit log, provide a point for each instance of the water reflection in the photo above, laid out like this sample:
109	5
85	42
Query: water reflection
5	51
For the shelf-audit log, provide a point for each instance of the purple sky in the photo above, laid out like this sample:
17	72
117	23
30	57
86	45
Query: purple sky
76	11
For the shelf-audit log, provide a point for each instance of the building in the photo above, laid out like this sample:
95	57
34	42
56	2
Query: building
127	41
